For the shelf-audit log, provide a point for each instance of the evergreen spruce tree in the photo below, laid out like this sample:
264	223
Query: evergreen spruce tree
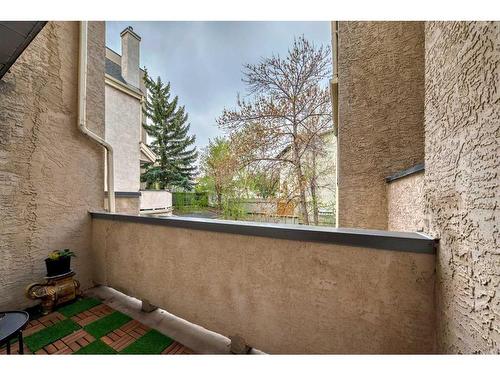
168	126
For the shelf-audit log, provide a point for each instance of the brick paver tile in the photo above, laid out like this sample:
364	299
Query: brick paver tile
59	344
50	349
33	328
169	349
65	350
82	341
122	343
177	348
87	320
107	340
51	318
36	325
41	351
134	334
122	337
119	332
69	344
89	337
91	315
74	336
130	326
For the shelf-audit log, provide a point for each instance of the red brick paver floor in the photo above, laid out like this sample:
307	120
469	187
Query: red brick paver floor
125	335
177	348
118	339
36	325
68	344
92	314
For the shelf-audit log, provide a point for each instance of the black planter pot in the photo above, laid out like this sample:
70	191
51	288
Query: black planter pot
57	267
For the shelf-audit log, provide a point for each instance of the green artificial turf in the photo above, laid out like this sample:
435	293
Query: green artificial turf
78	307
39	339
152	342
107	324
96	347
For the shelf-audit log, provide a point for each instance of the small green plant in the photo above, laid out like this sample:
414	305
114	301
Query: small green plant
64	253
233	210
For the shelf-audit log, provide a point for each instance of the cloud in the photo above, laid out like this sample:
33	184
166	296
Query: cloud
203	60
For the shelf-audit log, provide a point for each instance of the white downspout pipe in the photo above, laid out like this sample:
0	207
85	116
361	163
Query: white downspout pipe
82	113
334	86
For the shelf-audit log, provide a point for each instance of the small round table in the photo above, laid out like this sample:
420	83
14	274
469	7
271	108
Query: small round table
11	325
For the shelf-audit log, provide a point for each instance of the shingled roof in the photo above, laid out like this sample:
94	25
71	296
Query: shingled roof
114	70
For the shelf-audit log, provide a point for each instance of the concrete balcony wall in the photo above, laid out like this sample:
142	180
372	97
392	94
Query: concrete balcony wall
155	199
280	295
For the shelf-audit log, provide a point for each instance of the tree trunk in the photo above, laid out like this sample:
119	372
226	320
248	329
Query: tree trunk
219	201
314	203
302	187
314	197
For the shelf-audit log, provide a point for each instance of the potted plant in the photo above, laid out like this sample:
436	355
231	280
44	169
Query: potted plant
59	262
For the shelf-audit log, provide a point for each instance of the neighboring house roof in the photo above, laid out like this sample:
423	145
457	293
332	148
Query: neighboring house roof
15	36
114	70
147	155
114	78
115	55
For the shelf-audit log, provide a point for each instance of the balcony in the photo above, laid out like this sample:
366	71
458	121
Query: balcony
156	202
278	288
284	289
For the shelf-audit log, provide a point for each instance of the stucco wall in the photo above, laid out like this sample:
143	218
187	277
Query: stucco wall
282	296
126	205
50	173
381	94
462	200
405	203
123	116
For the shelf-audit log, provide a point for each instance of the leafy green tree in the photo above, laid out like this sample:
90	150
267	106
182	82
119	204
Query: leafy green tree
219	167
264	183
172	142
288	107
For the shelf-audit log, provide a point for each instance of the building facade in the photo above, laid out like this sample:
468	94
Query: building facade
427	93
125	92
51	175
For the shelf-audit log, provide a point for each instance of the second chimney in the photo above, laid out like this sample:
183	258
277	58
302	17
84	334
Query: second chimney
130	56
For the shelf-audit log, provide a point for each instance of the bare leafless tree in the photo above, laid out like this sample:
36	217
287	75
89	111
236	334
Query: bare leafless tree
287	107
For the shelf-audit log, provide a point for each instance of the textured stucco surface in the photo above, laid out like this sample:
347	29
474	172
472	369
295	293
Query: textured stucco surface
154	199
381	131
405	203
123	123
50	173
462	200
281	296
126	205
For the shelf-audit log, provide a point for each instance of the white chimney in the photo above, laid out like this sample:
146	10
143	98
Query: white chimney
130	56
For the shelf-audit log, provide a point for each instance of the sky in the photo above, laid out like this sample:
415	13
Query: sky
203	60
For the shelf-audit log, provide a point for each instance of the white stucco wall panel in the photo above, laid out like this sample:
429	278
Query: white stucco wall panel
123	114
